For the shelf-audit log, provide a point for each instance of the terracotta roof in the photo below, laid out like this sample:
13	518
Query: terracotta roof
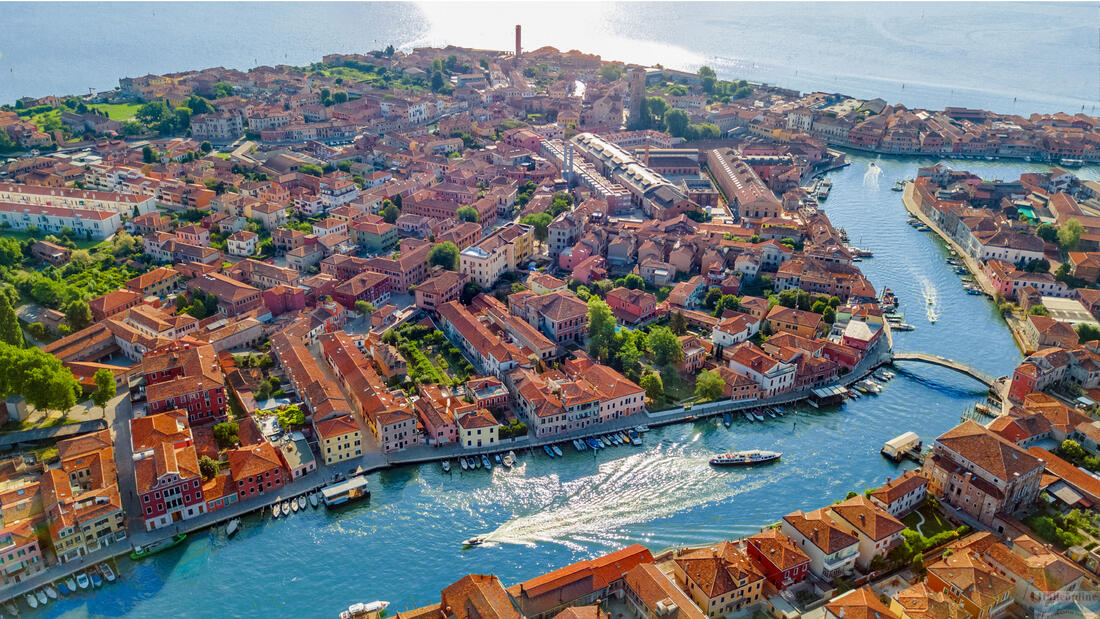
1044	569
820	531
720	569
921	602
253	460
900	486
780	551
973	577
988	451
336	426
867	518
478	596
863	603
659	593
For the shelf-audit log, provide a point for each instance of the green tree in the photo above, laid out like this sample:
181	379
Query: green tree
10	330
726	302
104	388
678	323
676	122
198	105
467	213
208	467
11	252
710	300
1069	235
78	314
665	346
226	434
629	358
709	385
390	212
1047	232
291	416
311	169
1087	332
1071	450
828	316
539	221
611	72
633	282
222	90
147	154
154	113
364	308
444	254
437	82
37	376
601	327
653	385
1038	310
560	202
206	146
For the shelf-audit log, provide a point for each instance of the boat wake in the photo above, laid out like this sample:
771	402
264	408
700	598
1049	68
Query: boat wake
596	508
871	176
931	299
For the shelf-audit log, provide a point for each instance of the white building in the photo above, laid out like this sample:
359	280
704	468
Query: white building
53	219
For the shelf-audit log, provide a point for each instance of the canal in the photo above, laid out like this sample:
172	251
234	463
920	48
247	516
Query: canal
403	545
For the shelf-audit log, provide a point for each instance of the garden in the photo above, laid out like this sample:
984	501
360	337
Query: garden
430	356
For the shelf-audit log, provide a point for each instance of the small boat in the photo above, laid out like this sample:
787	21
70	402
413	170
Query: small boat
757	416
11	608
462	461
899	185
853	394
593	443
233	526
902	326
446	464
617	439
745	458
63	589
302	502
548	451
50	592
109	573
285	508
772	414
33	603
473	541
82	580
486	463
97	580
624	438
635	438
557	450
726	419
496	458
748	416
314	501
507	461
511	454
476	462
43	599
576	445
293	505
140	552
275	510
358	610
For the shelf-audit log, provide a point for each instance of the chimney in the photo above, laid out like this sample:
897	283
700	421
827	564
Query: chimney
518	39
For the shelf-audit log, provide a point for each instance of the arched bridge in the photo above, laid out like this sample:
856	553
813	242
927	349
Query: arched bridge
951	364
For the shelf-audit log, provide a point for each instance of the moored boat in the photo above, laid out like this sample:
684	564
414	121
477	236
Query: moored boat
462	462
31	601
233	526
745	458
757	416
70	583
140	552
294	505
82	579
302	502
108	573
557	450
97	580
548	451
507	461
726	419
593	443
285	508
50	592
63	589
313	497
496	458
511	454
11	608
359	610
446	464
485	462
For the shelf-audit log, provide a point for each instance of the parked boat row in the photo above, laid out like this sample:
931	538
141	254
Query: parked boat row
92	578
469	463
760	414
282	508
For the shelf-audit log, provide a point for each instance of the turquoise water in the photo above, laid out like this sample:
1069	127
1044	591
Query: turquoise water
1010	57
403	546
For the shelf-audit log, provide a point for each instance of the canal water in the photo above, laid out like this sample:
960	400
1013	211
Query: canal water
403	545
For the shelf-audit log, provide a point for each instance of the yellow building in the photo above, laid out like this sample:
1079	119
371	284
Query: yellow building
478	429
340	439
498	253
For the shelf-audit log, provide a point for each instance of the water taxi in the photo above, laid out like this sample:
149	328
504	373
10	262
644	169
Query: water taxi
358	610
140	552
745	458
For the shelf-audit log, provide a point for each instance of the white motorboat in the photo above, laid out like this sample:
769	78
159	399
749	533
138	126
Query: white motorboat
41	595
50	591
70	583
285	508
358	610
477	540
33	603
302	502
507	460
275	510
557	450
82	580
109	574
232	528
294	505
465	466
446	466
313	500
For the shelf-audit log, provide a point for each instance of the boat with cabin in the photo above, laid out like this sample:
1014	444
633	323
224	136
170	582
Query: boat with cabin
82	579
365	611
745	458
352	489
142	551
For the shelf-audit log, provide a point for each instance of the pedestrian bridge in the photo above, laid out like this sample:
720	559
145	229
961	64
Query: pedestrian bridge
951	364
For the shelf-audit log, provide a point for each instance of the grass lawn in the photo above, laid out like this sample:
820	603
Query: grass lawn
677	387
118	111
933	521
